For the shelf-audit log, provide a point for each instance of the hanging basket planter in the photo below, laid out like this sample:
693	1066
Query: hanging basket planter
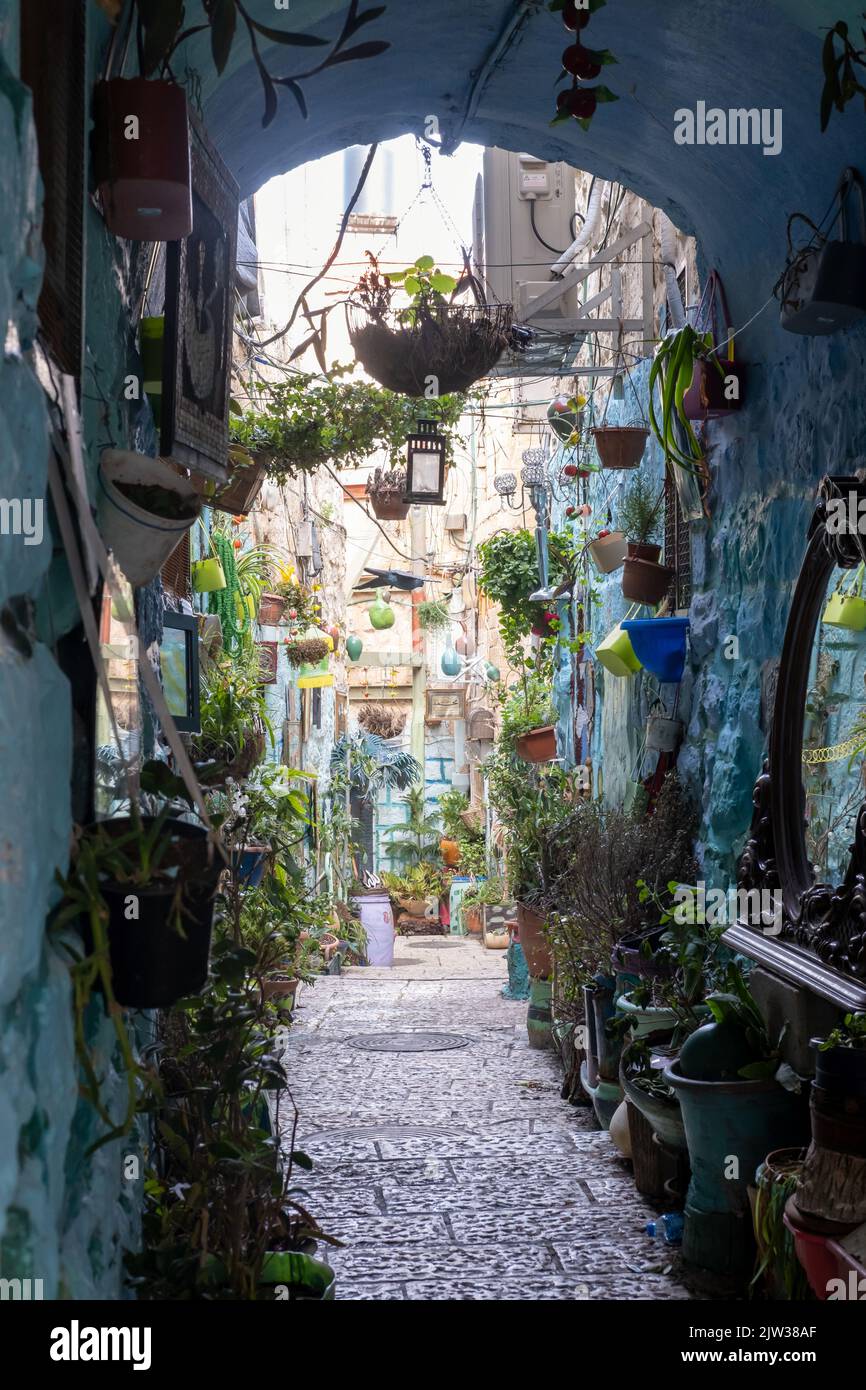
846	606
241	491
144	179
616	653
385	493
660	645
143	511
207	575
456	344
608	550
620	446
537	746
644	580
307	651
153	963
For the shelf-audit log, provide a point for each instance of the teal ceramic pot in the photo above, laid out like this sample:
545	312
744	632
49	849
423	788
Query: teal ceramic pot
663	1113
539	1015
730	1128
646	1020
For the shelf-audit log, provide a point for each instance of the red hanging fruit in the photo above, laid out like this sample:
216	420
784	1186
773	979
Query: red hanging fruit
574	17
580	62
582	103
570	470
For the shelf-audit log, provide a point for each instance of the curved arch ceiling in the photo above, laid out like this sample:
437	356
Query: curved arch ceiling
671	54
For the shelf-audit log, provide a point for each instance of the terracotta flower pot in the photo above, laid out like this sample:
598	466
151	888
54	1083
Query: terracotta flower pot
472	920
536	947
705	398
644	581
537	746
638	550
620	446
271	608
389	507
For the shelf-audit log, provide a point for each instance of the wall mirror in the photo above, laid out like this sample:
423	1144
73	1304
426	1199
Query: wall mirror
807	840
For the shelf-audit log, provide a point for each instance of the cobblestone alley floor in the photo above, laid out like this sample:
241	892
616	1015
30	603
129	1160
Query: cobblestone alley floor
457	1174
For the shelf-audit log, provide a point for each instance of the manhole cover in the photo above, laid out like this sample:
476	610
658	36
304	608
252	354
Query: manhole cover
408	1042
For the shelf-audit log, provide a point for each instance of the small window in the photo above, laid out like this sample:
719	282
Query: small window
678	550
178	657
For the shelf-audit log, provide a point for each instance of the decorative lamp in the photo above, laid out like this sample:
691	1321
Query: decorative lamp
534	471
425	471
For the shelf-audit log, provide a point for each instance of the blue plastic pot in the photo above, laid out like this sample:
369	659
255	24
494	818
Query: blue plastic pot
660	645
250	864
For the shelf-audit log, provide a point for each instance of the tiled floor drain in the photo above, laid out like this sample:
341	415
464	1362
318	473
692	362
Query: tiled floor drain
408	1042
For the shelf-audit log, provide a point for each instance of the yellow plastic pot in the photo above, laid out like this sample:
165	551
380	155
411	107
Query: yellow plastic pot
207	575
616	653
845	610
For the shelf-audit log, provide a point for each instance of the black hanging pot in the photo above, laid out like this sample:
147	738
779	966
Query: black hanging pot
159	934
823	287
840	1071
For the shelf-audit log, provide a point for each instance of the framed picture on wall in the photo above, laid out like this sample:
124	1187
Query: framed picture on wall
446	702
180	670
199	312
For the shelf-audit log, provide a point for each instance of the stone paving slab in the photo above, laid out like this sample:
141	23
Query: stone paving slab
458	1175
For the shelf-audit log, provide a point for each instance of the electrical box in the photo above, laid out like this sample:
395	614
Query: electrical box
521	203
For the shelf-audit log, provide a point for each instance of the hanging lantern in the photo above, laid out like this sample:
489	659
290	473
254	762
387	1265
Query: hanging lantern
354	647
425	472
142	159
381	613
451	664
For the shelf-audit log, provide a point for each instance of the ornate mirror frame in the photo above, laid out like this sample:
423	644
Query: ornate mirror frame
820	943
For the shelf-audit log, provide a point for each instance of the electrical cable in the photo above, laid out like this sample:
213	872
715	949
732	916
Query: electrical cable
536	233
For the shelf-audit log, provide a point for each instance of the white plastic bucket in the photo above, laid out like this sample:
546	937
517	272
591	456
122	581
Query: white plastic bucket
140	540
377	919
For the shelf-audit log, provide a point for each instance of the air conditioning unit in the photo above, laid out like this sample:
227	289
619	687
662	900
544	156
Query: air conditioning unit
521	203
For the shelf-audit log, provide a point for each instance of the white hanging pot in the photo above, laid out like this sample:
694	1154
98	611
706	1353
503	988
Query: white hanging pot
608	551
663	735
143	510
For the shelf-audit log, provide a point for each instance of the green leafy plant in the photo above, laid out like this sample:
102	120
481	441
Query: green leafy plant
672	372
164	26
841	81
489	893
850	1034
452	804
307	422
639	511
234	720
418	839
433	614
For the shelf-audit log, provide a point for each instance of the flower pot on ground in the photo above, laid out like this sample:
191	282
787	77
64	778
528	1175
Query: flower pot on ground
538	745
747	1119
823	1258
533	939
144	509
281	990
472	919
271	609
647	1019
450	851
620	446
608	550
779	1272
832	1185
539	1015
659	645
600	1072
641	1076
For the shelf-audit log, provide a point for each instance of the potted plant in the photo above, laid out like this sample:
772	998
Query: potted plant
143	889
737	1097
620	446
144	509
385	490
385	720
309	649
717	383
528	717
433	614
234	724
687	363
644	580
832	1182
608	550
430	337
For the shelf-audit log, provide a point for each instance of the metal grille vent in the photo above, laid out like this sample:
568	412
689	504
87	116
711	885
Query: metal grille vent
678	549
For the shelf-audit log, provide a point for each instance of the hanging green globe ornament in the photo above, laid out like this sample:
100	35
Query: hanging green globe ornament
492	672
381	613
354	647
451	663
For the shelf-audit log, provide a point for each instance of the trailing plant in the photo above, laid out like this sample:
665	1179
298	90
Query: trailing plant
303	608
164	26
433	614
306	651
672	371
777	1258
234	721
306	422
508	575
639	510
